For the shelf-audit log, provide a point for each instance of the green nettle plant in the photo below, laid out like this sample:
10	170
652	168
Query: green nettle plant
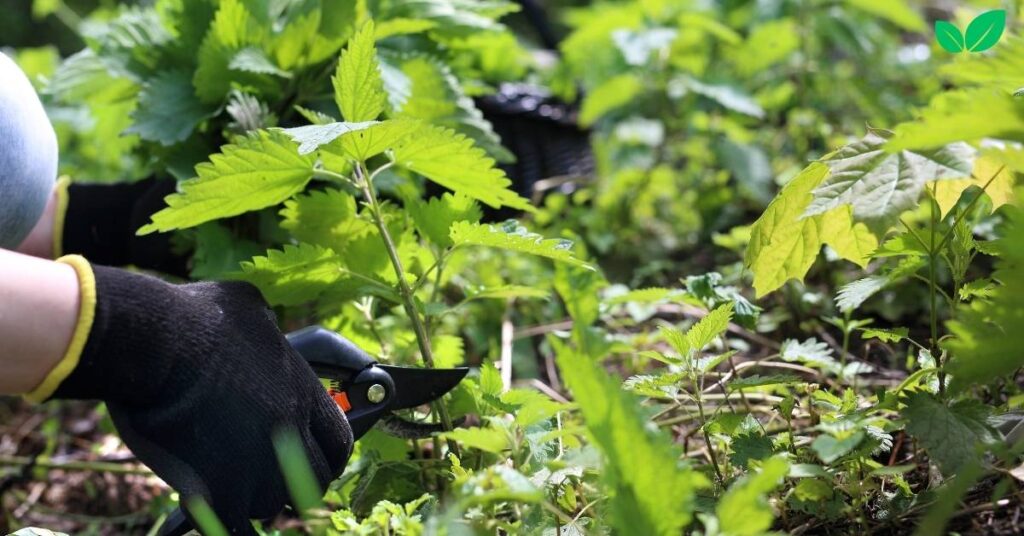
871	387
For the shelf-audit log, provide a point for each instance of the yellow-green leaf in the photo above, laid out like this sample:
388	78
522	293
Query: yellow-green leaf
259	171
453	161
294	274
783	245
513	237
358	88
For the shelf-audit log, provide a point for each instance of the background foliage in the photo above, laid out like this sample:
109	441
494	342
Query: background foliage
785	298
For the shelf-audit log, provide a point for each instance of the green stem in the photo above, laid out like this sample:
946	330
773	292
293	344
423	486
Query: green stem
933	296
408	299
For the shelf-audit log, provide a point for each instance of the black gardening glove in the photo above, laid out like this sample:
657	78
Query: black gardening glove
101	219
197	379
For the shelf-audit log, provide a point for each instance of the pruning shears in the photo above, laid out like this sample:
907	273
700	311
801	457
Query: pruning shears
365	390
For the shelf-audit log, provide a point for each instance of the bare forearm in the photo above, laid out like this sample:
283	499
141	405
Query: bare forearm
39	307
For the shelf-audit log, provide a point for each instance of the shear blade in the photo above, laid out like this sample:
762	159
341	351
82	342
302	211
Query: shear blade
415	386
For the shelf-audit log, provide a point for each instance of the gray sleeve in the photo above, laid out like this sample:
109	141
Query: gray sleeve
28	155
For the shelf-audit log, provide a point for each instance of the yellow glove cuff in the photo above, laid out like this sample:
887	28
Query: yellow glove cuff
61	189
86	315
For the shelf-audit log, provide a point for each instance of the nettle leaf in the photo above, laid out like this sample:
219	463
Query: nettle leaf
885	335
254	60
961	115
769	43
707	329
744	509
855	293
362	144
949	36
324	218
435	217
951	433
750	446
783	243
650	493
879	185
259	171
232	30
358	88
311	137
514	237
423	87
451	160
294	274
486	439
168	110
1002	69
761	381
988	334
985	30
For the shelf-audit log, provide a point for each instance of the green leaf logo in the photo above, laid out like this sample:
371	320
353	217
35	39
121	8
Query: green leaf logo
949	36
982	33
985	30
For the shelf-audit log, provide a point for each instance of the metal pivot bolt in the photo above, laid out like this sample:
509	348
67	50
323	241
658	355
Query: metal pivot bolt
376	393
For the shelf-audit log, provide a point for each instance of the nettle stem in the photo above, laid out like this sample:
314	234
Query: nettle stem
408	298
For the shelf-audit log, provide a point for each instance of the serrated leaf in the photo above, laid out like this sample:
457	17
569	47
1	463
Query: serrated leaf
985	30
644	295
324	218
961	115
253	60
261	170
358	88
949	36
988	334
855	293
1002	69
750	446
168	110
294	274
311	137
423	87
783	245
879	185
744	509
232	29
219	253
650	493
885	335
513	237
435	217
707	329
485	439
366	143
950	434
451	160
757	380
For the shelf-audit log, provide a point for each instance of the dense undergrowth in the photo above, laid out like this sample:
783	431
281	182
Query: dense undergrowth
787	298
